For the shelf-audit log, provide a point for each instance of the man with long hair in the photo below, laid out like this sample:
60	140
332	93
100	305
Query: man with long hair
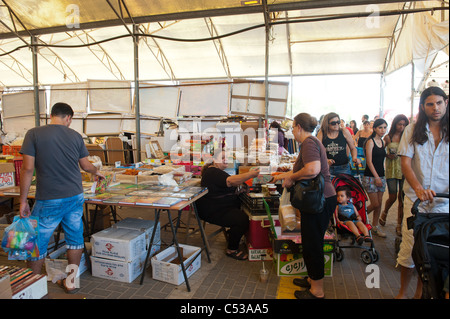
424	159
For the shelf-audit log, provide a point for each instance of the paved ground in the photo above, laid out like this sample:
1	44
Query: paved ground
225	278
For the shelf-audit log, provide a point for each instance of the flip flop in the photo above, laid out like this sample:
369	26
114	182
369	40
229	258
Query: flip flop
305	294
62	284
237	254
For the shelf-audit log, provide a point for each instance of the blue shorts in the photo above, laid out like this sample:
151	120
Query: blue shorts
67	211
340	169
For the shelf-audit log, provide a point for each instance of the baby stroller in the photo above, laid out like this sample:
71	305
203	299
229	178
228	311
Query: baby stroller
430	250
359	198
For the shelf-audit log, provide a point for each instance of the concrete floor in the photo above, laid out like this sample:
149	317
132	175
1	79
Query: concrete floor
226	278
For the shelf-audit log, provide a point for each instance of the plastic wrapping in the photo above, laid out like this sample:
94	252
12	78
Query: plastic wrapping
288	214
20	239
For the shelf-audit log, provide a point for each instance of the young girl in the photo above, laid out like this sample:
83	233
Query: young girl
348	215
394	175
373	180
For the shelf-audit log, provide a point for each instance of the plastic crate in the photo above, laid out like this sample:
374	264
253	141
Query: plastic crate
11	150
18	166
256	204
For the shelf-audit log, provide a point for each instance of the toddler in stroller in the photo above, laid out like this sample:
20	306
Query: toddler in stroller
361	236
347	216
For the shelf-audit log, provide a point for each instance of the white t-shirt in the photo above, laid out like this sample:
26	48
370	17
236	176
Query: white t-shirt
430	164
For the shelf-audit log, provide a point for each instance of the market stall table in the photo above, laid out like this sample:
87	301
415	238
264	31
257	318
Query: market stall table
179	206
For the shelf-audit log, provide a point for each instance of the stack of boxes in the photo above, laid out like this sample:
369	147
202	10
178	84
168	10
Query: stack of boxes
119	252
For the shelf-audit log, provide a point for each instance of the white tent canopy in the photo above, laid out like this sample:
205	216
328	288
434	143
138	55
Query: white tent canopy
186	40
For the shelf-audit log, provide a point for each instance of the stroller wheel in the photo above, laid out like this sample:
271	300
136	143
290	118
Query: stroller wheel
375	255
339	254
367	257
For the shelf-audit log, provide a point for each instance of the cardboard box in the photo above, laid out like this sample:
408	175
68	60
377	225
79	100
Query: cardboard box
258	254
56	264
119	244
102	219
7	173
166	266
147	179
118	270
36	290
292	244
5	287
294	265
123	178
142	225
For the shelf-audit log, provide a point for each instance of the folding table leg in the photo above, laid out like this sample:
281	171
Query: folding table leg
157	211
202	231
90	231
113	212
177	247
86	217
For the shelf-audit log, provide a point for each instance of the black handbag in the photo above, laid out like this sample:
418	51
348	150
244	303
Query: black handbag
307	195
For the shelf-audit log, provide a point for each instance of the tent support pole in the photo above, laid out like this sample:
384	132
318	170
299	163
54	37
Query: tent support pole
136	91
413	92
266	72
37	112
381	110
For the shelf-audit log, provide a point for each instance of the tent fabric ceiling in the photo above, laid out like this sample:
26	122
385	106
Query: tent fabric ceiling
337	44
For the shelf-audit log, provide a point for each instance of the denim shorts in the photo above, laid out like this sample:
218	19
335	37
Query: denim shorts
369	184
340	169
67	211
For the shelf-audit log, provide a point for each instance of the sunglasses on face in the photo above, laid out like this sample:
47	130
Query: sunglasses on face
334	123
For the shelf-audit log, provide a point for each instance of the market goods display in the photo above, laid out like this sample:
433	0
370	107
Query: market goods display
20	239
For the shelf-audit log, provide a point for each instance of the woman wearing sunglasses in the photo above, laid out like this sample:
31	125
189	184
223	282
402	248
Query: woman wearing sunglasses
336	140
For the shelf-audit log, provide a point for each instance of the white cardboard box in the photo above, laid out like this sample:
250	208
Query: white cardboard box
118	270
55	267
258	254
119	244
143	225
163	269
36	290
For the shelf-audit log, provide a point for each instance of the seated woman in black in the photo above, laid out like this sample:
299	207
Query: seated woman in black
221	206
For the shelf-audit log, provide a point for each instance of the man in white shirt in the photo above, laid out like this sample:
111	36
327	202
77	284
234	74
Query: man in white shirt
424	151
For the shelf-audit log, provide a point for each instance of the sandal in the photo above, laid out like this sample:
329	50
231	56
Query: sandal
62	284
381	220
360	240
237	254
368	239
